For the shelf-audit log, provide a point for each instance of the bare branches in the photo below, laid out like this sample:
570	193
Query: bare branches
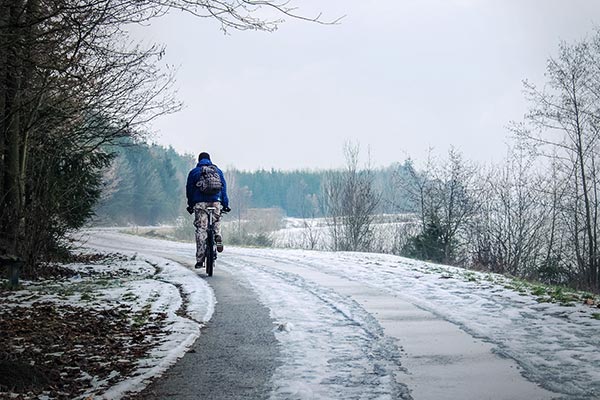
564	125
350	203
72	82
446	195
242	15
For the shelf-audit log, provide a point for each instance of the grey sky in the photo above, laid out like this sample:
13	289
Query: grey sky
398	76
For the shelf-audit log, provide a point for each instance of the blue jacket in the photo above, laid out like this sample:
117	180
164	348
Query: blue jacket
193	194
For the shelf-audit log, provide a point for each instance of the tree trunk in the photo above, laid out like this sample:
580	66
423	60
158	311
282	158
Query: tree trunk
591	256
12	161
4	14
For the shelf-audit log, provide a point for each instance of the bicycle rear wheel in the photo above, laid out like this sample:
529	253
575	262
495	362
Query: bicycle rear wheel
210	254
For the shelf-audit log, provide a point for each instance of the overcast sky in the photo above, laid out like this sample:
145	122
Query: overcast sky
396	76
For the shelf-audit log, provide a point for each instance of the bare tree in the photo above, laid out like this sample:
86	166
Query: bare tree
564	123
350	203
240	197
510	228
311	233
447	200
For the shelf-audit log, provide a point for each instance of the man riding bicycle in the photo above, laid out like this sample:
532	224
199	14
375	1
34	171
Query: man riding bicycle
206	187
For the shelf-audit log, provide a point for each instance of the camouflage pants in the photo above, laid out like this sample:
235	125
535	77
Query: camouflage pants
201	223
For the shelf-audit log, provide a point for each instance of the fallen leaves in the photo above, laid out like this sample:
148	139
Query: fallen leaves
54	349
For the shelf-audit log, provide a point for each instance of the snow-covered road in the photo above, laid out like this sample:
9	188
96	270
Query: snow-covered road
369	326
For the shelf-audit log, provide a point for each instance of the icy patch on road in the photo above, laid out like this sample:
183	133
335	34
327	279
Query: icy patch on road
332	348
557	346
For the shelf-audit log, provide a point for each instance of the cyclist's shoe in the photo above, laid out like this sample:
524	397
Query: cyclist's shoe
199	264
219	242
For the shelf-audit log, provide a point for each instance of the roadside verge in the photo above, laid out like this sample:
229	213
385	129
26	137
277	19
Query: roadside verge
100	328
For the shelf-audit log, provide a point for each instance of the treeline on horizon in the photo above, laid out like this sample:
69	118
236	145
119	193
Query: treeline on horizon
145	185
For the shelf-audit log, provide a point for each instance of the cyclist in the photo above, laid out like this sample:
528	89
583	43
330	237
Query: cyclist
206	187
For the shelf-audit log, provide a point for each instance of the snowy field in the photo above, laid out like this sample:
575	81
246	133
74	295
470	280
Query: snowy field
389	231
370	326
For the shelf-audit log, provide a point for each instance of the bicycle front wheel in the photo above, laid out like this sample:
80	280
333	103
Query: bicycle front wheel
210	254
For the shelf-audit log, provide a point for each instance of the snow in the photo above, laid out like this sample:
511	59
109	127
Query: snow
328	357
556	346
182	332
169	279
315	233
372	326
138	281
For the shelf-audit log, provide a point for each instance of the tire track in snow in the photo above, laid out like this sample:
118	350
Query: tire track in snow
333	348
560	355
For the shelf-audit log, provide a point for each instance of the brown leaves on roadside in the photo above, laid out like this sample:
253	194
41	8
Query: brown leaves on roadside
58	349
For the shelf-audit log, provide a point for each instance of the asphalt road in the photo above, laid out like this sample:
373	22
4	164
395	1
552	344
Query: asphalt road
234	357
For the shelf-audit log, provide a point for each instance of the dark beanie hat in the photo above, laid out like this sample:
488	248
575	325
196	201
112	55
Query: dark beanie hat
204	155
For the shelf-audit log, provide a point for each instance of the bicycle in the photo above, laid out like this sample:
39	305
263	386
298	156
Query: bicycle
210	252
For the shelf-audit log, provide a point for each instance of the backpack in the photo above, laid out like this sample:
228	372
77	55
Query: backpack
210	180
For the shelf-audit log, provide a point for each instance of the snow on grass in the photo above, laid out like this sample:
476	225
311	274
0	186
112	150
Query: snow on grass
198	308
161	253
170	282
315	233
148	286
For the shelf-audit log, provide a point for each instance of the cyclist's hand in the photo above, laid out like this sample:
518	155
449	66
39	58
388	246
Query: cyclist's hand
226	209
190	209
